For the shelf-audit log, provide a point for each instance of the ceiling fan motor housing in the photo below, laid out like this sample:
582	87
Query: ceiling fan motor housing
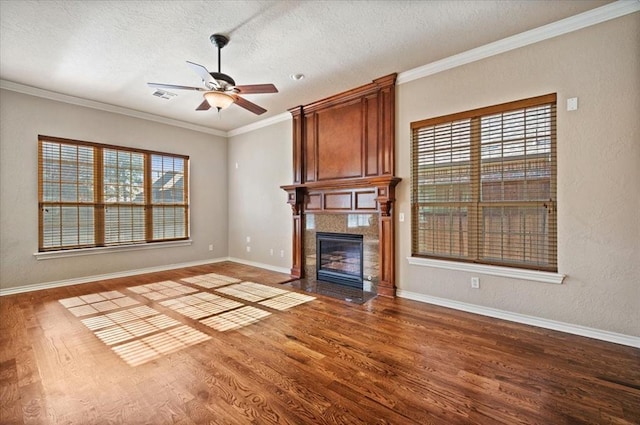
219	76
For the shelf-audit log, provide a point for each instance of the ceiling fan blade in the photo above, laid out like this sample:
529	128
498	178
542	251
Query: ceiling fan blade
203	106
172	86
257	88
209	81
249	106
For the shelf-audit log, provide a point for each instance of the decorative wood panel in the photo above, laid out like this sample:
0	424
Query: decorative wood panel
372	136
339	143
366	200
387	130
348	135
298	151
313	202
311	148
338	201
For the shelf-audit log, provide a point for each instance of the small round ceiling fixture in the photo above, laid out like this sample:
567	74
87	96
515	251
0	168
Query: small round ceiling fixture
296	77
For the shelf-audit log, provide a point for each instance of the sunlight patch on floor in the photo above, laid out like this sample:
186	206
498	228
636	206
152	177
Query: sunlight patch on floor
235	319
155	346
134	329
111	319
85	305
138	333
287	301
251	291
162	290
200	305
211	280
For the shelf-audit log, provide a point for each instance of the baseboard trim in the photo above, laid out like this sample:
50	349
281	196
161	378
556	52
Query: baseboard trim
614	337
260	265
87	279
126	273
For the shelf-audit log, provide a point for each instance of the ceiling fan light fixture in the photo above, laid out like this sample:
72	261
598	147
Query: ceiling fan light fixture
218	99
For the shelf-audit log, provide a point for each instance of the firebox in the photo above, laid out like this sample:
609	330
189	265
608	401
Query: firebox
339	258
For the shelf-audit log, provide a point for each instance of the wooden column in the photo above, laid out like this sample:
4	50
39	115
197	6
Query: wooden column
386	248
296	199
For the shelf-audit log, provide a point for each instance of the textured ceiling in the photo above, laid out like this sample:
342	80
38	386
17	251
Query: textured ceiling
106	51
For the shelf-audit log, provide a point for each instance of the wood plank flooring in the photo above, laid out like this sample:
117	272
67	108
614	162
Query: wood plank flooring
324	361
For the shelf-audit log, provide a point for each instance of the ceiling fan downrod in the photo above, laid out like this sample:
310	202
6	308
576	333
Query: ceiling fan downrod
220	41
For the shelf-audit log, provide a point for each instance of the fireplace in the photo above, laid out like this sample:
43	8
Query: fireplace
340	258
343	167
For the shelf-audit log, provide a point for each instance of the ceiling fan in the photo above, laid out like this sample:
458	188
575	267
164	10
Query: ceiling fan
220	90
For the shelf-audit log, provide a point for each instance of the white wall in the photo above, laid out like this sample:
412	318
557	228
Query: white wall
257	206
24	117
598	173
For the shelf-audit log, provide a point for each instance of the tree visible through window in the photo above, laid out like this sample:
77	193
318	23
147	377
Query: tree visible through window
484	185
94	195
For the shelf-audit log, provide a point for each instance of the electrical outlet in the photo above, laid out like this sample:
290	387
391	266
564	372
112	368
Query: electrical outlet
248	239
271	252
475	282
210	247
282	253
248	248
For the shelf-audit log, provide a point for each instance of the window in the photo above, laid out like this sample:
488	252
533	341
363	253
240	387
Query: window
93	195
484	185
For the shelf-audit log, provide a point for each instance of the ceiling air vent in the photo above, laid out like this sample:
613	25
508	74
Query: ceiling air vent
163	94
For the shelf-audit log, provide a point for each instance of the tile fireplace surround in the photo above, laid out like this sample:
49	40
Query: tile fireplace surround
354	224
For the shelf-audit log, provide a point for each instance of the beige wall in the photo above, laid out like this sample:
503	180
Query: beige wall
598	173
257	206
598	176
23	117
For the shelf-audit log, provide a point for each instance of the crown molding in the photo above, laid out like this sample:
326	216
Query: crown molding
564	26
73	100
285	116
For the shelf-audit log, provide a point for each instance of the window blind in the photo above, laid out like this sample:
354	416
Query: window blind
484	185
93	195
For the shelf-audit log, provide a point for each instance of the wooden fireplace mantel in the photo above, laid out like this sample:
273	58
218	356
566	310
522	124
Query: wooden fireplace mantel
343	162
349	195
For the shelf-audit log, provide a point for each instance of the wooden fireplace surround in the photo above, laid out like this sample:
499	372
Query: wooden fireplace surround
344	162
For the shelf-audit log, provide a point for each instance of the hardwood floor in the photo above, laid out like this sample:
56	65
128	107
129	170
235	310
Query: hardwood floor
319	361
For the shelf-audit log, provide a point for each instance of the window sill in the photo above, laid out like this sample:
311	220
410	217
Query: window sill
108	249
537	276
